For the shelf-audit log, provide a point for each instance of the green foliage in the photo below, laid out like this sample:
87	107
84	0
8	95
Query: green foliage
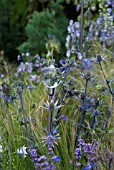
13	16
51	21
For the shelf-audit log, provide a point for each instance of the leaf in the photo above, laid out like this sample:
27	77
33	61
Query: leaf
111	131
99	87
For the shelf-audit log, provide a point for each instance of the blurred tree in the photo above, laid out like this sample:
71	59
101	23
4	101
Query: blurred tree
15	14
51	21
13	18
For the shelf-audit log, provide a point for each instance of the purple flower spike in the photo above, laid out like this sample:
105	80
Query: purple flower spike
33	153
78	164
42	158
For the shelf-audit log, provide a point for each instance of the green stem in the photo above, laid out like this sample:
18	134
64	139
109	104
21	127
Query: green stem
50	117
107	82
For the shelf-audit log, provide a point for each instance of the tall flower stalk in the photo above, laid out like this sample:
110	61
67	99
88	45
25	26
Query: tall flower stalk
50	117
24	116
83	110
99	59
107	82
15	105
81	27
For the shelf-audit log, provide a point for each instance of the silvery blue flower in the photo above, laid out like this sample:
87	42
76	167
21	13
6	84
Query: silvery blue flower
22	151
77	25
52	105
73	49
29	66
77	33
68	38
68	53
21	68
79	56
34	78
87	64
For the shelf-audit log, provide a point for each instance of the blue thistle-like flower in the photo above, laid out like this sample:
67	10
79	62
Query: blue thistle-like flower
87	64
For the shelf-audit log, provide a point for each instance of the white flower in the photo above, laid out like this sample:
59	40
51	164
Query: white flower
22	151
69	29
73	49
27	54
77	25
71	22
67	45
1	150
79	56
68	53
68	38
77	34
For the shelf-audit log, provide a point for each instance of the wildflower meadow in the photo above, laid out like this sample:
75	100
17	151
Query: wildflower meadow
57	101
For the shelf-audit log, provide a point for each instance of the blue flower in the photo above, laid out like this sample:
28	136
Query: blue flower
88	167
34	78
65	118
42	158
6	92
62	62
1	76
87	64
33	153
56	158
78	164
21	68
